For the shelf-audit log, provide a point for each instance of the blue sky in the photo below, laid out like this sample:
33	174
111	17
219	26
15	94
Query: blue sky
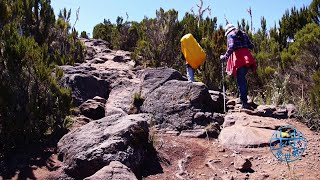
93	12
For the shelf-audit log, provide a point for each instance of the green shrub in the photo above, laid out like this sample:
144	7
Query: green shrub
84	34
269	71
32	104
137	99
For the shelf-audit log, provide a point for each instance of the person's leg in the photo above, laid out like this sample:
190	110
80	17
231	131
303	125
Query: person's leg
242	84
190	73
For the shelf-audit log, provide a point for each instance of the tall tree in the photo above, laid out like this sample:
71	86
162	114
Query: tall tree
201	11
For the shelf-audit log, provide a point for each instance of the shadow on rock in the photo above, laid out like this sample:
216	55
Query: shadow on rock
21	162
151	164
247	171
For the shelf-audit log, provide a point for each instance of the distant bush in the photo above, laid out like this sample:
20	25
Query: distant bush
32	104
84	34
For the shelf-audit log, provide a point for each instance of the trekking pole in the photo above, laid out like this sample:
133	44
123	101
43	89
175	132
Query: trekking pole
223	89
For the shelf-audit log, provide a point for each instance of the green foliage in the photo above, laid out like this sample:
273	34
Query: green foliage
315	11
103	31
67	122
159	39
136	103
306	47
32	41
123	35
84	34
286	59
269	71
137	99
31	101
293	21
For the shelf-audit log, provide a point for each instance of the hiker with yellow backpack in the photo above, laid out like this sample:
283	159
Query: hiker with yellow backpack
193	54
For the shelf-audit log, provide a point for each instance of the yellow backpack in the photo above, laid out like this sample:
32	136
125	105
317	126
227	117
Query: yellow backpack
192	51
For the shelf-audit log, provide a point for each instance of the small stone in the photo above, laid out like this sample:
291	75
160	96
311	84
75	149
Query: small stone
265	175
226	177
195	133
225	155
100	99
241	163
172	132
236	152
214	161
250	157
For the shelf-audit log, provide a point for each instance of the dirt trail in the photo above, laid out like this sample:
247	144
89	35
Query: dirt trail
209	160
200	159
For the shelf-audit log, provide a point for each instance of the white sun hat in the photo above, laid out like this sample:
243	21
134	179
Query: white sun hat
229	28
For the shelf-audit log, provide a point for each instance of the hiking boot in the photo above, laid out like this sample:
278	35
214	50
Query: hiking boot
246	106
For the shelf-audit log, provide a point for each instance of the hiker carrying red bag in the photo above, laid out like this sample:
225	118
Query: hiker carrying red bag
239	59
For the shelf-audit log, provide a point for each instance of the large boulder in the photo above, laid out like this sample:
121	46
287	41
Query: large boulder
252	121
242	136
152	78
272	111
91	147
176	102
124	90
85	87
79	69
205	118
112	111
241	129
114	171
122	95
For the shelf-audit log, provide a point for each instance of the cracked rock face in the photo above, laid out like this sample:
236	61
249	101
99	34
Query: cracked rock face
244	130
100	142
110	74
106	87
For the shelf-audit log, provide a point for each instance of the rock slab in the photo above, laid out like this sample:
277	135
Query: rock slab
114	171
91	147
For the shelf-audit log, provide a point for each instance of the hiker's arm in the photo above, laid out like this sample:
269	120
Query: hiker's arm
230	47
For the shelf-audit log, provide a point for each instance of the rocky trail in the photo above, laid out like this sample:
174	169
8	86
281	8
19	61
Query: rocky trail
137	123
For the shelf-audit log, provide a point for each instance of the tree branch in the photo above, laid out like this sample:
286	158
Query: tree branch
77	17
